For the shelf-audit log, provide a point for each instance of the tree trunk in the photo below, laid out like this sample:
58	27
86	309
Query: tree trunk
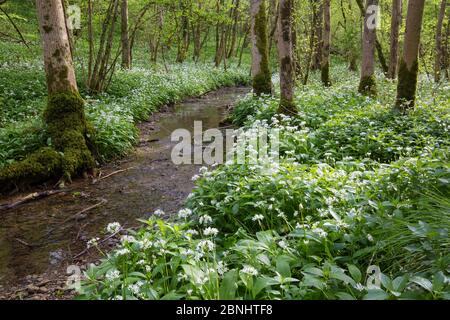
439	59
273	22
262	82
234	29
126	52
325	64
284	45
396	21
367	84
409	65
318	13
64	114
183	45
91	43
378	46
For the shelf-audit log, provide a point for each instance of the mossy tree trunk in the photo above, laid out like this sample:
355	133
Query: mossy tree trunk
409	65
183	42
396	21
64	115
318	33
285	55
262	79
325	63
367	84
126	50
439	58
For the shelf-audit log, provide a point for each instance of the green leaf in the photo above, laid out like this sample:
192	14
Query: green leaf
345	296
314	271
260	284
354	272
399	283
227	290
264	259
235	208
283	267
376	294
438	281
311	281
424	283
386	282
172	296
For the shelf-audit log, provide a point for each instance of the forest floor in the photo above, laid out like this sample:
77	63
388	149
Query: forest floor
41	239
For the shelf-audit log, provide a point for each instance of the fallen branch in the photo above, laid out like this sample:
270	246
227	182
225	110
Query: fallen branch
79	213
31	197
111	174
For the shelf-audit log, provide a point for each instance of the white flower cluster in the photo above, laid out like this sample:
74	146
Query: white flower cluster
113	227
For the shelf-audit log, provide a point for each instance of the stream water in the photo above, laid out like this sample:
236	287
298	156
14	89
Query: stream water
45	234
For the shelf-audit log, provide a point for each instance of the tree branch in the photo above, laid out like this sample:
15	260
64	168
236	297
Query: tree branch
14	25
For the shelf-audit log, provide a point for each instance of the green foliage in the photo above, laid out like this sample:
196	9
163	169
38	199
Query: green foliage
357	187
132	97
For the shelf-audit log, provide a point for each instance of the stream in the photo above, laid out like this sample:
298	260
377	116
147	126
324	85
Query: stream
44	235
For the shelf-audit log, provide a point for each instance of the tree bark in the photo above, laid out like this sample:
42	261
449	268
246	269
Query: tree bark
409	65
396	21
262	83
439	58
325	64
378	46
367	84
318	25
126	52
91	42
284	45
183	44
234	29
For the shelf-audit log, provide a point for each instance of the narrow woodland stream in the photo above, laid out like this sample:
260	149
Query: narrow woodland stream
46	234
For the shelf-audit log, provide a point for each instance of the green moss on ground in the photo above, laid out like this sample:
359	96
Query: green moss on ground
70	155
41	165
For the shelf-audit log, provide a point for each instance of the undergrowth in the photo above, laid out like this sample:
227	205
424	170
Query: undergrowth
356	208
132	96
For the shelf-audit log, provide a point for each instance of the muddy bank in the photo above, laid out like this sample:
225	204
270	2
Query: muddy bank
40	239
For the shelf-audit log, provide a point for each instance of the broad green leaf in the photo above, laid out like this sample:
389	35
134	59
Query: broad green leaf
424	283
376	294
354	272
227	289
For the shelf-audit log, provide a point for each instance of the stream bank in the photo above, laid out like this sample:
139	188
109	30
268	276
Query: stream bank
39	240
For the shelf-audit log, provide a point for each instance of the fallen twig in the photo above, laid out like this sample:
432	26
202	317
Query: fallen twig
24	242
29	198
76	215
111	174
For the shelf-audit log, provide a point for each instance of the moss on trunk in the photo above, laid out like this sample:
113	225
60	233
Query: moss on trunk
287	107
325	75
262	82
407	85
368	86
69	131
